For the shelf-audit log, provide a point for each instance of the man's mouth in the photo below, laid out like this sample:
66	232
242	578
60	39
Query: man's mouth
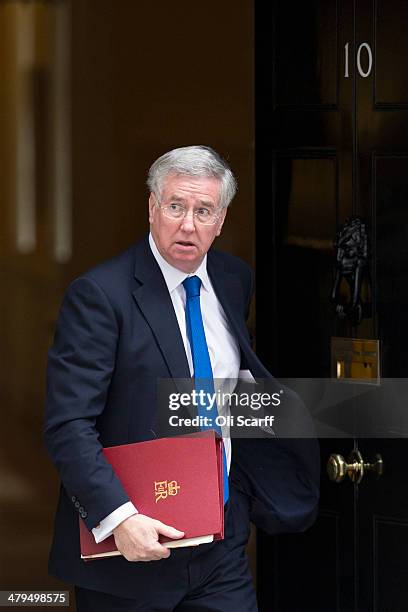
185	243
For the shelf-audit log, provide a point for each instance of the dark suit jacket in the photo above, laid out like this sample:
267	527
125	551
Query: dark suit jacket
116	335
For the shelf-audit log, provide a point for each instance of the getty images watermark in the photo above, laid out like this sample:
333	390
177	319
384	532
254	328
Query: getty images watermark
207	400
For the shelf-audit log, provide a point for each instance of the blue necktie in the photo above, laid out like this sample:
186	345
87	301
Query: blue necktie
203	374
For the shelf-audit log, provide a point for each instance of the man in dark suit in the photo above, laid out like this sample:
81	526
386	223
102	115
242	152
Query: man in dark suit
121	329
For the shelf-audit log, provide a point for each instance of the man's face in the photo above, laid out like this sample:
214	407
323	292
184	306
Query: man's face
184	242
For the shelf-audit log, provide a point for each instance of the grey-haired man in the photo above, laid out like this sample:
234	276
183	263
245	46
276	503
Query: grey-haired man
122	327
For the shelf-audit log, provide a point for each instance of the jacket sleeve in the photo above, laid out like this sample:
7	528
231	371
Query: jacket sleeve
80	365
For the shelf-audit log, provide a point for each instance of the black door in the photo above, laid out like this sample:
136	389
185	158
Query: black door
331	142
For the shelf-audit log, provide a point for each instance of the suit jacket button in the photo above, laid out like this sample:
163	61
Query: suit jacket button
84	514
77	504
73	499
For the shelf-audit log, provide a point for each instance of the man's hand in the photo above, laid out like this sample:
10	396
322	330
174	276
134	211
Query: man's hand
137	538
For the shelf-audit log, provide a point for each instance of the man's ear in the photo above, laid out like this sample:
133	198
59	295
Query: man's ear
221	221
152	206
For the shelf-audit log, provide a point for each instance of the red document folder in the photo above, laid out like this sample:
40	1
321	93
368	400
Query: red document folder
178	481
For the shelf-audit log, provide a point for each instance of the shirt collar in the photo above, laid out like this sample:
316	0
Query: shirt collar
173	276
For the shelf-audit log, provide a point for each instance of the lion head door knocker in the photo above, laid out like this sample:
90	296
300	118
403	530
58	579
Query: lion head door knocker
352	265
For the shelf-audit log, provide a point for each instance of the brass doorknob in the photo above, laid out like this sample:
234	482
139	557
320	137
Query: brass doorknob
337	467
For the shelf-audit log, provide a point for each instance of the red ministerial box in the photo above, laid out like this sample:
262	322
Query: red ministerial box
178	481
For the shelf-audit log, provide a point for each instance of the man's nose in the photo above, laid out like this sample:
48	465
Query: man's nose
188	224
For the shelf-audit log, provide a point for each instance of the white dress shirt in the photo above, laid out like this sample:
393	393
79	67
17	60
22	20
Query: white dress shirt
222	347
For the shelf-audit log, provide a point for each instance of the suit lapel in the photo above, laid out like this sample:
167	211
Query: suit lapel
228	289
154	301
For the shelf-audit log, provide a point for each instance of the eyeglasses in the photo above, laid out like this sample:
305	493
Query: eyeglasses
204	216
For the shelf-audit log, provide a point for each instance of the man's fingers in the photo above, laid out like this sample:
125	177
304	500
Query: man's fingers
158	550
153	554
167	530
137	538
162	554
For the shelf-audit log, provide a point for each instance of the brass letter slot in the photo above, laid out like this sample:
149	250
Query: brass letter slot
356	359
